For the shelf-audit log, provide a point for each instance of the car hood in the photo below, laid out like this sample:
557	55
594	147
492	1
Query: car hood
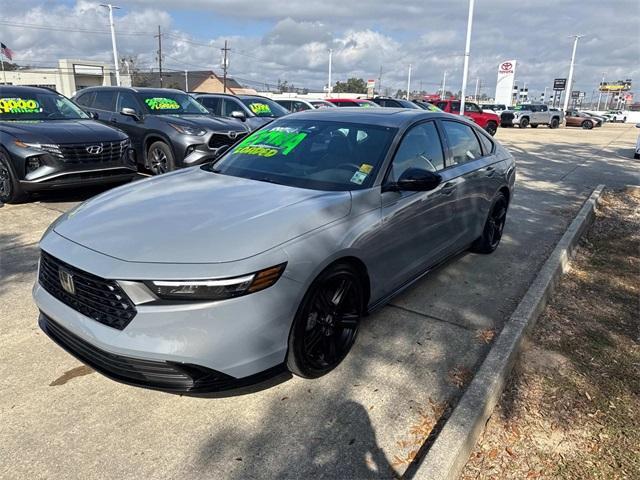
195	216
205	121
60	131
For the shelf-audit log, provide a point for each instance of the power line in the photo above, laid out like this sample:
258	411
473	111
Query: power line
78	30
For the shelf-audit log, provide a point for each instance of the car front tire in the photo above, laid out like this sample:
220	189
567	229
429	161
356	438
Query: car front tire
491	128
587	125
524	122
160	158
554	123
10	190
326	324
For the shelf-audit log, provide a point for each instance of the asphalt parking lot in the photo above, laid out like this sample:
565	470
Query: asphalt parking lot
61	420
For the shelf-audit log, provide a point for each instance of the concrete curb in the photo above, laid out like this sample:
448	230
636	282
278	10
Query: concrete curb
449	453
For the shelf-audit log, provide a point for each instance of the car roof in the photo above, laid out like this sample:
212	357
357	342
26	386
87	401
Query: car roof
130	89
20	89
386	117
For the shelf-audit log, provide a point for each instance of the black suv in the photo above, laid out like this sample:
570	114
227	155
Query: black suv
46	141
168	128
254	110
394	102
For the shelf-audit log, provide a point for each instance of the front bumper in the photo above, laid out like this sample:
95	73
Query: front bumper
238	339
169	377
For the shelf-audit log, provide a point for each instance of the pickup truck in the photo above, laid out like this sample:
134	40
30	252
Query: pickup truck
487	120
530	114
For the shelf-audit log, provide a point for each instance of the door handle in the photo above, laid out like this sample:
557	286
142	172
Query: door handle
448	188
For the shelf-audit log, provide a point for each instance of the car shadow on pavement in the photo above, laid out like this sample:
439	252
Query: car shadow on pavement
18	262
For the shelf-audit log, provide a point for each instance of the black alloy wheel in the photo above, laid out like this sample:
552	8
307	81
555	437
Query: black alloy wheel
10	191
492	233
160	158
326	325
587	125
492	128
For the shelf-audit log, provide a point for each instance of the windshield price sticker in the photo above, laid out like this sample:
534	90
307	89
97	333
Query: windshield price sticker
159	103
260	108
269	143
366	168
358	177
19	105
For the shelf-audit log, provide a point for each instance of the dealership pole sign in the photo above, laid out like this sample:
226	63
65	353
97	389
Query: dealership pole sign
506	80
560	84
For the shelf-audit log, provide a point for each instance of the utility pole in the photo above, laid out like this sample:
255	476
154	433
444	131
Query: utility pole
186	81
113	39
159	53
467	49
600	92
225	65
329	81
444	83
475	97
570	80
380	80
409	82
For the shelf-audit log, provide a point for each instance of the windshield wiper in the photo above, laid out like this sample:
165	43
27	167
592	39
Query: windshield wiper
268	180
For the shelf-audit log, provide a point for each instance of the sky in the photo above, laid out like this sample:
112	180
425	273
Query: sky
289	40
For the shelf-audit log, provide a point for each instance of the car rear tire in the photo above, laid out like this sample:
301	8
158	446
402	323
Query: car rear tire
160	158
10	190
554	123
534	125
636	156
491	128
524	122
493	227
587	125
326	324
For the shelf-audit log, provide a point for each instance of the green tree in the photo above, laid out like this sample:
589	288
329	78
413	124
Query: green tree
352	85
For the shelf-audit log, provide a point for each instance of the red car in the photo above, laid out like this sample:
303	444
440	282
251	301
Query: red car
487	120
352	102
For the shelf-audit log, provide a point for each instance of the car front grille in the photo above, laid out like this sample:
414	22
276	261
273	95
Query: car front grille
107	152
219	139
94	297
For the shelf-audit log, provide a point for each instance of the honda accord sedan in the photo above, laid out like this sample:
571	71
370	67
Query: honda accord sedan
265	261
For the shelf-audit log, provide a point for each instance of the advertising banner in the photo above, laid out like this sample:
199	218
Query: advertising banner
506	79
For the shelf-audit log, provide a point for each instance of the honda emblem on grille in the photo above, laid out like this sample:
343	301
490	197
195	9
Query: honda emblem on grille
95	149
66	280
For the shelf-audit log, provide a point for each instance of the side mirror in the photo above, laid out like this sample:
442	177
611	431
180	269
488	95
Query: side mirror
237	114
130	112
92	115
415	180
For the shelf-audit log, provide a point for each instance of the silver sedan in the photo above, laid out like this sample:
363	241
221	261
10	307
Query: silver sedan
221	276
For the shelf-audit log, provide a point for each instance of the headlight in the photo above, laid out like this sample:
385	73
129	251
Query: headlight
186	130
45	147
216	289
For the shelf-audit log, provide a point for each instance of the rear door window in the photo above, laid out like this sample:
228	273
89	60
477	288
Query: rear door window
463	143
104	100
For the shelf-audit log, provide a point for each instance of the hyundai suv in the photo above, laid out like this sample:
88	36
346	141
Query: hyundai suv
252	110
168	128
47	142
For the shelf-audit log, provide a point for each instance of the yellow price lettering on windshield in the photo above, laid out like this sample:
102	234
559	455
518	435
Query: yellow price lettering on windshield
260	108
19	105
159	103
267	143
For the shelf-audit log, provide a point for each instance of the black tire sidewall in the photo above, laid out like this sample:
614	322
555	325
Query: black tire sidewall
166	149
296	335
482	244
587	125
524	122
491	128
17	194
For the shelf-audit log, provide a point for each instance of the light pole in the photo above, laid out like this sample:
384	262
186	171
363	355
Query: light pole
570	79
467	48
409	82
475	97
186	80
329	82
600	92
113	39
444	84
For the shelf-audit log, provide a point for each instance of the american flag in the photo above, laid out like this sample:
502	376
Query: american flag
6	51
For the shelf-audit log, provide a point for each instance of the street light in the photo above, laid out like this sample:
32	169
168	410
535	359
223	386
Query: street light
467	48
570	80
409	82
329	83
444	82
113	39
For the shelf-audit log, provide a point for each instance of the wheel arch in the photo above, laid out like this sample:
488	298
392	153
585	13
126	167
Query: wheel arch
155	137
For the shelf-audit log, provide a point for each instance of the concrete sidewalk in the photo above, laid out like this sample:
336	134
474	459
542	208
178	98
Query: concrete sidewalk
362	421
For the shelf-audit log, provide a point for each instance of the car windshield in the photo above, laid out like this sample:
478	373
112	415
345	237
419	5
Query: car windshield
313	154
263	107
322	104
37	106
165	102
